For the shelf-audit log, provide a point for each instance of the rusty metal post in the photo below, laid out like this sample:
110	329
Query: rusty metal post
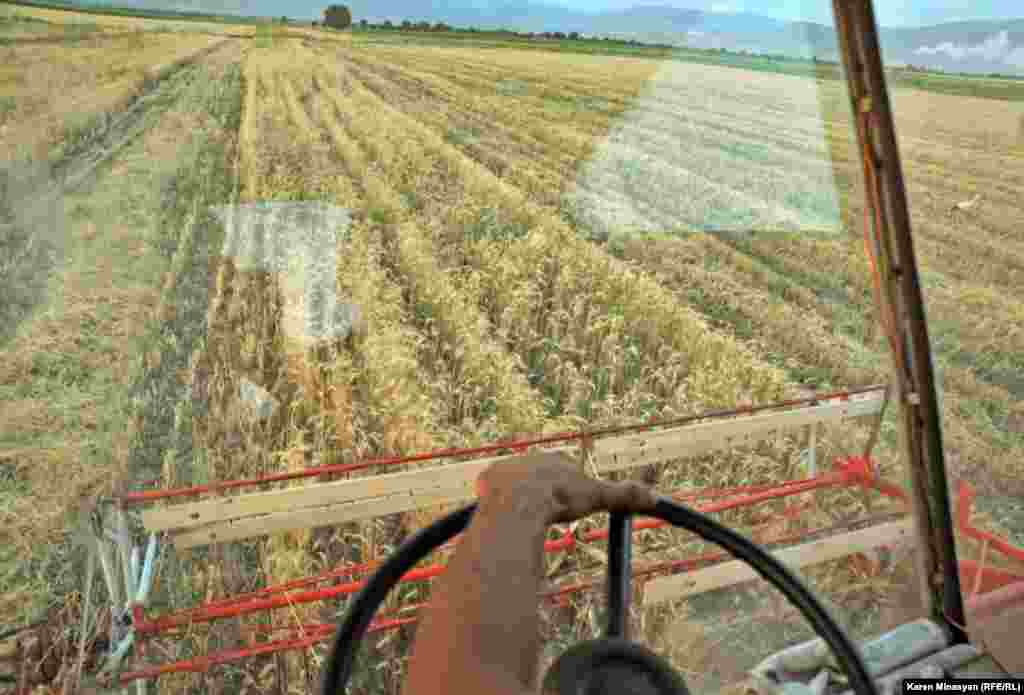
937	562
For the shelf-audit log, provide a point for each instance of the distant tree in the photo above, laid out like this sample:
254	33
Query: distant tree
406	24
388	24
338	17
363	23
423	26
441	26
284	20
559	35
316	24
574	35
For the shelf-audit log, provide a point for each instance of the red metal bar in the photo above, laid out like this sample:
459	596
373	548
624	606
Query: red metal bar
988	604
982	606
551	546
261	602
827	480
963	518
151	495
366	567
204	663
311	634
992	578
852	470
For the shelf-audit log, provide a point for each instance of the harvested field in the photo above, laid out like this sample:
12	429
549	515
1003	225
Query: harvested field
521	243
60	95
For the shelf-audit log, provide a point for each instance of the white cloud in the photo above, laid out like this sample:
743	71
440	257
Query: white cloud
725	7
955	52
993	48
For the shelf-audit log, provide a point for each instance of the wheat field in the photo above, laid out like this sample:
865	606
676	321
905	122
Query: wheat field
536	242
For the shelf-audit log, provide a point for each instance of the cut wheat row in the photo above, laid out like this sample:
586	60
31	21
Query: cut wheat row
346	403
529	291
530	120
538	170
666	164
494	396
966	441
456	342
993	325
858	274
635	203
623	92
830	98
595	333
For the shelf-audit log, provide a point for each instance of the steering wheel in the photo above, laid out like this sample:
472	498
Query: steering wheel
612	659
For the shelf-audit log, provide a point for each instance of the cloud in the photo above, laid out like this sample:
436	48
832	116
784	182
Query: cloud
725	7
992	49
1015	57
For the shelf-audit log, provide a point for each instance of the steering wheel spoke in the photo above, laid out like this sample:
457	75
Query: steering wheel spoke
620	552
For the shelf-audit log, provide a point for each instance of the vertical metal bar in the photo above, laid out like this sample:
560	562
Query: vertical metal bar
146	580
619	578
135	571
123	546
90	575
849	23
812	464
861	53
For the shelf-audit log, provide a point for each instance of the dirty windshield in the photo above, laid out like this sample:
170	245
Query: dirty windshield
278	279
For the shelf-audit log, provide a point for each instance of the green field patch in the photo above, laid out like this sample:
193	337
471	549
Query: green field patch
463	136
512	88
491	227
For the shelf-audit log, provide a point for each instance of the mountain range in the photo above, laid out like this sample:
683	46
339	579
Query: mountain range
982	46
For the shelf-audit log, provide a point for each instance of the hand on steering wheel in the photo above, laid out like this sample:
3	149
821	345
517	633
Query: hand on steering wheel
562	493
553	492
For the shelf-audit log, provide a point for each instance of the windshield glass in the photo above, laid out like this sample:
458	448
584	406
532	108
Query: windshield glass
236	247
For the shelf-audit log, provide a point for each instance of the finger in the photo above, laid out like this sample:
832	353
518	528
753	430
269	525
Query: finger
628	497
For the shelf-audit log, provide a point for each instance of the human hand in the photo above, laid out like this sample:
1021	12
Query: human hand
550	484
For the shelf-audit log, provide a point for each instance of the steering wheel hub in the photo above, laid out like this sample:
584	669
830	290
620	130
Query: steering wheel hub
611	665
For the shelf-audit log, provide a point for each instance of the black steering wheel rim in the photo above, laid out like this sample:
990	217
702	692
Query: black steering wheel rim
353	627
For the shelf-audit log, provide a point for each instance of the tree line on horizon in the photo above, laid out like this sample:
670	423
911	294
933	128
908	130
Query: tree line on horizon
340	17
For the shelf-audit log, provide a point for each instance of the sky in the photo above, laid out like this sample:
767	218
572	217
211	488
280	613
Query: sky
891	13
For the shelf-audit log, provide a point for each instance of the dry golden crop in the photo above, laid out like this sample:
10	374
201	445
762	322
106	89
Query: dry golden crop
111	22
494	198
462	188
58	91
